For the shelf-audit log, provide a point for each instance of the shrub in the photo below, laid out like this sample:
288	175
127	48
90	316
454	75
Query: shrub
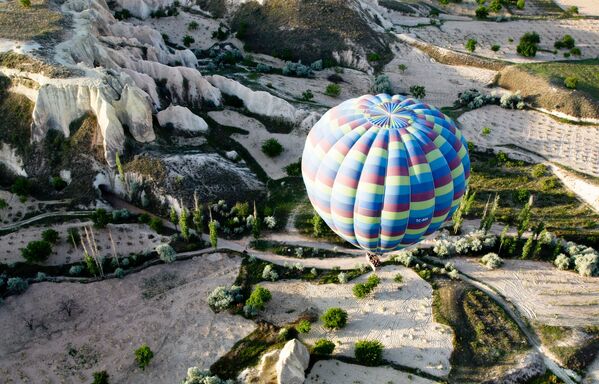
334	318
259	297
562	262
25	3
272	148
317	65
575	51
573	10
41	276
382	84
333	90
369	352
156	224
374	57
75	270
263	68
166	253
58	183
481	12
565	42
119	273
37	251
319	227
193	25
304	326
404	258
360	290
528	44
188	40
100	218
491	260
571	82
16	285
297	69
100	377
495	6
21	187
426	274
586	264
520	4
143	355
342	278
323	347
418	91
566	54
307	95
495	47
269	274
402	67
486	131
50	235
398	278
222	298
196	375
539	170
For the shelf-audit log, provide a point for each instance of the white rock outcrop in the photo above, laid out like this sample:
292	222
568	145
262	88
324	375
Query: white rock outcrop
293	362
9	157
143	8
182	119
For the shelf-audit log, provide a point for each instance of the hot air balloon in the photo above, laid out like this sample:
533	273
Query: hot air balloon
385	171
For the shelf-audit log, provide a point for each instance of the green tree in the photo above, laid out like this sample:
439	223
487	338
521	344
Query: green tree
188	40
197	214
495	6
495	47
256	224
213	233
481	12
319	227
333	90
402	67
91	264
526	250
100	218
463	209
119	167
334	318
304	326
520	4
418	91
143	355
37	251
272	147
21	187
502	238
307	95
183	224
470	45
100	377
524	216
50	235
323	347
259	297
369	352
489	220
173	217
528	44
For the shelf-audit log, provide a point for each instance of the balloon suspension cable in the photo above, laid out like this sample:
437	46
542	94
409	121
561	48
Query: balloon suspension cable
373	260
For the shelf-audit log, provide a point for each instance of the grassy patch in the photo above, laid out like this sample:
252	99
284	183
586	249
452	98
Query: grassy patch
27	23
284	195
574	354
15	121
557	71
554	205
29	64
148	166
283	249
485	336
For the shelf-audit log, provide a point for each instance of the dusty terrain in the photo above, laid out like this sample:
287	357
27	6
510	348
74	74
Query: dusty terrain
113	318
401	318
337	372
540	291
128	239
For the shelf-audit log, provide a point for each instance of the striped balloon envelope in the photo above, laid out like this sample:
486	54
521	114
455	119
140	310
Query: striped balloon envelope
385	171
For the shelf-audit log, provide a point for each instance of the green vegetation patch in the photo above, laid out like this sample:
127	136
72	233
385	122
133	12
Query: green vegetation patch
485	336
147	166
15	121
557	72
26	23
575	354
514	182
26	63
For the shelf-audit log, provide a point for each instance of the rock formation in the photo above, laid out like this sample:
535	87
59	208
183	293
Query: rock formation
182	119
293	362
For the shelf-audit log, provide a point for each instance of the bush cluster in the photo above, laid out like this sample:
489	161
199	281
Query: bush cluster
334	318
272	148
222	298
527	46
369	352
473	242
323	347
257	300
196	375
297	70
361	290
491	260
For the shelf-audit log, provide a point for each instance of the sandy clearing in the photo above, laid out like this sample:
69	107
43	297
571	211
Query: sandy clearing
338	372
540	291
176	27
400	318
576	146
16	210
454	34
293	143
128	239
355	84
113	320
585	7
587	191
442	82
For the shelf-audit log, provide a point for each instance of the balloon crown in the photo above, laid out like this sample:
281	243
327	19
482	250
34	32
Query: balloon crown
388	115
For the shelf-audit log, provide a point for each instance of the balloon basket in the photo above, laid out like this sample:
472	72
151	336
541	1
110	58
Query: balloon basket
373	260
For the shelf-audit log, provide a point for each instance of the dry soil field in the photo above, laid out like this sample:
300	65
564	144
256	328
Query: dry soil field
113	318
540	291
398	315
